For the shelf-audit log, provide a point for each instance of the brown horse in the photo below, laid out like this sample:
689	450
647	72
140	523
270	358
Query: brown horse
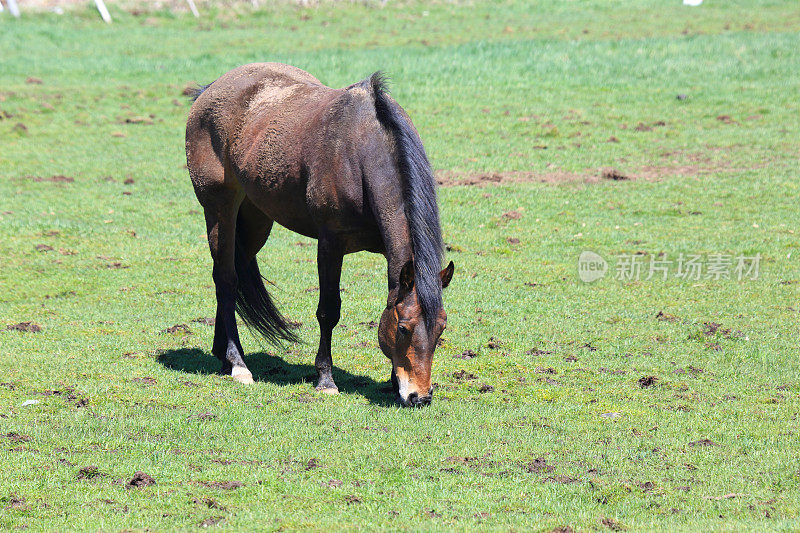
268	143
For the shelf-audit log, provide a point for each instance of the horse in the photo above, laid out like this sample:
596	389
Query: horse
268	142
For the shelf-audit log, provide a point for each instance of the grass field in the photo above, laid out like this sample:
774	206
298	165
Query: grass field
649	404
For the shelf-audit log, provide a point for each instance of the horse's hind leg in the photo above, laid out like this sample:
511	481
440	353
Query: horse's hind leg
221	196
221	218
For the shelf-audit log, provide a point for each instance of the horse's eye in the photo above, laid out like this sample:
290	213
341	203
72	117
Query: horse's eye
403	330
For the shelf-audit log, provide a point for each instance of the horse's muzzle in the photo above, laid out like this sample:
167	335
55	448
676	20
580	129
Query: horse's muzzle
415	400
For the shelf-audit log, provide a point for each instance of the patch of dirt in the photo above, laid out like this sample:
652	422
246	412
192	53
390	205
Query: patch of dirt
211	503
138	120
493	343
475	463
647	486
29	327
613	174
206	321
463	375
466	354
140	479
562	529
52	179
17	503
537	351
563	480
537	466
449	178
724	496
146	380
703	443
222	485
17	437
178	328
712	328
313	463
612	524
543	370
694	371
647	381
666	317
211	521
486	388
44	248
350	499
89	472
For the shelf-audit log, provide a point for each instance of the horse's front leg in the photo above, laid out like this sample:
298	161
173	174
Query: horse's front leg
329	266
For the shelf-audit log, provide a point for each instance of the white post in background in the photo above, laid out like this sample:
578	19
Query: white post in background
101	7
255	4
193	8
1	6
12	6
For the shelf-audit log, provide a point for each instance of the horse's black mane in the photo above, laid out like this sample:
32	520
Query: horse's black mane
422	211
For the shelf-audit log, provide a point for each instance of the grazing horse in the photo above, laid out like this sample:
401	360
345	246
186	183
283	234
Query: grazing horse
268	143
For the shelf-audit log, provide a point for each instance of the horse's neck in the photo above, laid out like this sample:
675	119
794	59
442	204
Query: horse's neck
390	217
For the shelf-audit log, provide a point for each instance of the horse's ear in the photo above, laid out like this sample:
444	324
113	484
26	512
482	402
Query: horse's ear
447	274
407	277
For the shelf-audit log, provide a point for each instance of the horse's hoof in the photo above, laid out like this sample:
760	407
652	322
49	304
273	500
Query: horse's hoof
242	375
332	391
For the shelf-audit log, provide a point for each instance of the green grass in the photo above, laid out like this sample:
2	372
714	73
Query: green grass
486	95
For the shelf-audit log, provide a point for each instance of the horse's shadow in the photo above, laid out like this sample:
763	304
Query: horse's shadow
272	369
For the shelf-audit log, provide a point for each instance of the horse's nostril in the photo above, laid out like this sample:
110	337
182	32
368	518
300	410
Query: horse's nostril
416	400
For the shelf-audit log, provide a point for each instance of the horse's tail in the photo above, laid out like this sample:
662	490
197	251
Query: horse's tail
419	192
254	304
195	92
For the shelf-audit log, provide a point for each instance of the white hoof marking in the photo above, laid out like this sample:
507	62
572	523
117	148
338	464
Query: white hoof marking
242	375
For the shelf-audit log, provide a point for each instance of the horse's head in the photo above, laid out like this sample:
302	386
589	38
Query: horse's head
405	338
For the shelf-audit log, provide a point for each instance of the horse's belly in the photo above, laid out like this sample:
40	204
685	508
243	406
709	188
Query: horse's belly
283	200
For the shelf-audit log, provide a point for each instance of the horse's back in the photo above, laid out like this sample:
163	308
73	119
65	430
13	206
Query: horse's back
232	116
227	99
